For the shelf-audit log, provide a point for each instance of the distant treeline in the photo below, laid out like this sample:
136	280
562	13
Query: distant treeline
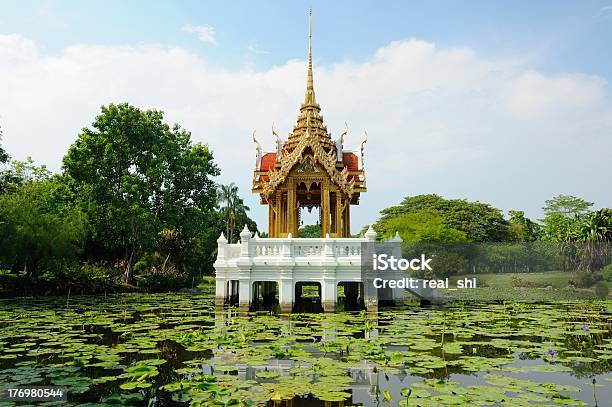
466	237
134	205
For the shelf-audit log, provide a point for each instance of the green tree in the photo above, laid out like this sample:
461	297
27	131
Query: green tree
310	231
567	205
479	221
227	195
420	226
19	173
39	224
522	228
139	176
589	239
233	211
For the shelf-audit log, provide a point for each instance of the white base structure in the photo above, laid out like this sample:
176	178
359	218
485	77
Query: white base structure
285	262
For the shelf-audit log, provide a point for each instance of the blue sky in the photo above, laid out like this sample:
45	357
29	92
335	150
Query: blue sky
506	102
567	35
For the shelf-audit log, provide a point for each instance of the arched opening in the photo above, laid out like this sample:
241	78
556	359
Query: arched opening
308	195
265	295
232	290
350	296
307	297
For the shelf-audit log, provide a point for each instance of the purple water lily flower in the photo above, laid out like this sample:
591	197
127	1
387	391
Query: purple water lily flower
585	327
551	352
321	343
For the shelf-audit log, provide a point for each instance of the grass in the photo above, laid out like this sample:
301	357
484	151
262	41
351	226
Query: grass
527	287
556	279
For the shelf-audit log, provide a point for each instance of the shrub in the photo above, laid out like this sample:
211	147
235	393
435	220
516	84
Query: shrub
86	278
601	289
163	278
607	272
586	279
521	282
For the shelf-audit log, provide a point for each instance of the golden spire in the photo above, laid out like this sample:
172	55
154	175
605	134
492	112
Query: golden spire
310	96
309	121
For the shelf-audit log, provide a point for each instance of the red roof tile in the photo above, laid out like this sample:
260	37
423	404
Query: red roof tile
267	161
350	161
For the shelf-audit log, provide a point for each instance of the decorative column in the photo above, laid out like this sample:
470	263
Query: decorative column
328	294
285	296
271	222
291	210
328	283
278	215
220	291
244	270
324	209
347	220
338	214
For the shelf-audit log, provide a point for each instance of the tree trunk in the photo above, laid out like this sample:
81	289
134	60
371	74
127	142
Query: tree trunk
128	273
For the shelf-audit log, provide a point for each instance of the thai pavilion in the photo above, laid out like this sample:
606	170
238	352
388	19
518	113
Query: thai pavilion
311	170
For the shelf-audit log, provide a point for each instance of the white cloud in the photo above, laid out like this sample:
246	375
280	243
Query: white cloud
533	94
253	48
205	33
439	120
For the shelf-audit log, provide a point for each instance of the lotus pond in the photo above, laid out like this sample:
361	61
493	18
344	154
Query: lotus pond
175	349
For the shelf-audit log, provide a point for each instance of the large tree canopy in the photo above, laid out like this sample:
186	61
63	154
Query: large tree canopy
479	222
566	205
144	180
422	226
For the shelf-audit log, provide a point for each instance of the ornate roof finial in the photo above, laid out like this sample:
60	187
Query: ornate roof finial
310	96
279	144
259	153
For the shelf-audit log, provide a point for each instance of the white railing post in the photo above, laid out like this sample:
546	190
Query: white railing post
245	237
286	250
221	247
328	246
370	235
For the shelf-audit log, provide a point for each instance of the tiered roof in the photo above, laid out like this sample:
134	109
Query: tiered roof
309	135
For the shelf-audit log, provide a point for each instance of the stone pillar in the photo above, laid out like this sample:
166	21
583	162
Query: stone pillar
244	267
220	291
328	294
286	289
244	294
370	293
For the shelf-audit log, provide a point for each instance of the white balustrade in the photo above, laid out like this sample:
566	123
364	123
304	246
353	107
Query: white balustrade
232	251
296	248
